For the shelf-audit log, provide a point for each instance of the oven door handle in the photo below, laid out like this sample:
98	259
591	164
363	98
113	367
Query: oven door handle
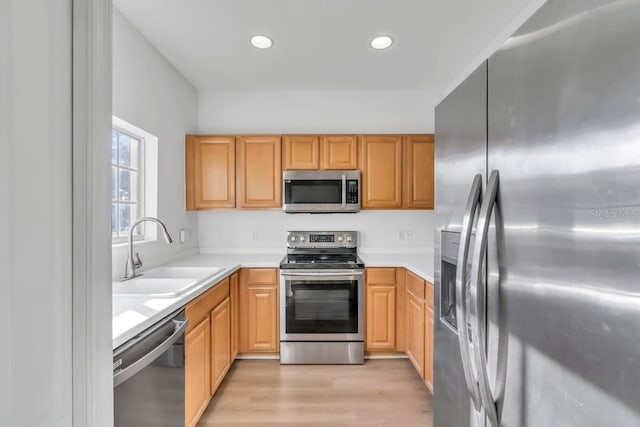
323	274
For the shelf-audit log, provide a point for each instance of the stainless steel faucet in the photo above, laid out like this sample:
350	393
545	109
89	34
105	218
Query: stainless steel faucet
131	265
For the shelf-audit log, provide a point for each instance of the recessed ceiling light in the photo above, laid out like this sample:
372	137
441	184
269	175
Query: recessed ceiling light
381	42
261	42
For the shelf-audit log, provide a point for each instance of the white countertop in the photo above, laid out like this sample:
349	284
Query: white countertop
420	263
132	315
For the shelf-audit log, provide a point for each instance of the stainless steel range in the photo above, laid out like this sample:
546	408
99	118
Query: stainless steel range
322	299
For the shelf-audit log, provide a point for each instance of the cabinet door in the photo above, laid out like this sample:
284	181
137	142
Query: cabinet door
381	171
415	332
263	310
419	166
428	359
258	311
234	316
197	361
210	172
259	172
300	152
339	152
381	317
220	343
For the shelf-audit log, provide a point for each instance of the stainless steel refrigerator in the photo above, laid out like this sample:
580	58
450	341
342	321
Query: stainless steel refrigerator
537	314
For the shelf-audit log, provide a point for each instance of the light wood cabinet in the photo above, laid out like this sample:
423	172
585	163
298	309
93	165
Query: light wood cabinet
381	316
339	152
419	172
197	371
301	152
210	172
207	348
258	321
380	309
245	171
220	343
234	298
428	368
259	171
415	331
381	166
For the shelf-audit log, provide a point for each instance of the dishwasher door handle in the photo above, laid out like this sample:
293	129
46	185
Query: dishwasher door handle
147	359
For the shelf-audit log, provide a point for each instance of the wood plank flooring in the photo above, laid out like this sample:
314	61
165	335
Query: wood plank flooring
265	393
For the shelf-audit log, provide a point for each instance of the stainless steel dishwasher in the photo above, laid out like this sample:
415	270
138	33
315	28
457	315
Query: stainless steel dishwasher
148	376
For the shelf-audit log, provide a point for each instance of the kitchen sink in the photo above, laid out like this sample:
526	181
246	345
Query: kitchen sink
164	282
154	287
197	273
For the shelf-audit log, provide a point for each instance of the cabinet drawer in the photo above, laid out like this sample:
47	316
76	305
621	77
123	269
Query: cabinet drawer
381	276
205	303
262	276
429	294
415	285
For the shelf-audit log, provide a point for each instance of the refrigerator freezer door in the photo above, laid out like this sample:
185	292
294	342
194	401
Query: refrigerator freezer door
564	133
461	138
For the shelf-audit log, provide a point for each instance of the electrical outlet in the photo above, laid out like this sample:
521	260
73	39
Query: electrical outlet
405	235
255	235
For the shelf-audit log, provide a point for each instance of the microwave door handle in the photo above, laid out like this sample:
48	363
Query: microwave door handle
344	191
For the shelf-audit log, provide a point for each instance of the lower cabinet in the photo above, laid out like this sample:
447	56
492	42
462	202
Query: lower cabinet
234	301
220	343
380	309
420	326
428	362
207	348
197	371
258	311
415	331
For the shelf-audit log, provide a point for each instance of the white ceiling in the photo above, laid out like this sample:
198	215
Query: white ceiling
323	44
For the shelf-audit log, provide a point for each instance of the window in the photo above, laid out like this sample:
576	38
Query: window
134	181
127	183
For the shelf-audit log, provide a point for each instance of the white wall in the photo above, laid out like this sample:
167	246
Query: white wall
245	230
316	112
149	93
35	213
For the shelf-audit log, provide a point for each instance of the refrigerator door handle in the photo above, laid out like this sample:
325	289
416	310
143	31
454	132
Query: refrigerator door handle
478	306
471	208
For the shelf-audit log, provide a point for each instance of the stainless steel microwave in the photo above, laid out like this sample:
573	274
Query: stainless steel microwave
321	191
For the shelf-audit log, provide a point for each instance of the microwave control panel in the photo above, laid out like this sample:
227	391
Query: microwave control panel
352	191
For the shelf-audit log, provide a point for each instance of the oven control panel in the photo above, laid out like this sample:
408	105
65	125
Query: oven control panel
322	239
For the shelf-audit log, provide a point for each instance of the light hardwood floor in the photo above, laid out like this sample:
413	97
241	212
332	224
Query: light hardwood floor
264	393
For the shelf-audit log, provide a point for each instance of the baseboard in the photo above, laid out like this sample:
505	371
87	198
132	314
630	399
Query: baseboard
372	356
258	356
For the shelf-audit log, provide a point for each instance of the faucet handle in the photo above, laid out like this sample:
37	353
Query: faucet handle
137	263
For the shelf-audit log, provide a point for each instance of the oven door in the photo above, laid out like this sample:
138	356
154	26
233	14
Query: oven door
322	305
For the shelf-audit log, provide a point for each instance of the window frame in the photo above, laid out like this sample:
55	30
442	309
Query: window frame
139	234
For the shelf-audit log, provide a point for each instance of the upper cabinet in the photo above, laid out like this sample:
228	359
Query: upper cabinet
301	152
381	165
339	152
418	172
210	163
245	171
259	171
397	171
313	152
